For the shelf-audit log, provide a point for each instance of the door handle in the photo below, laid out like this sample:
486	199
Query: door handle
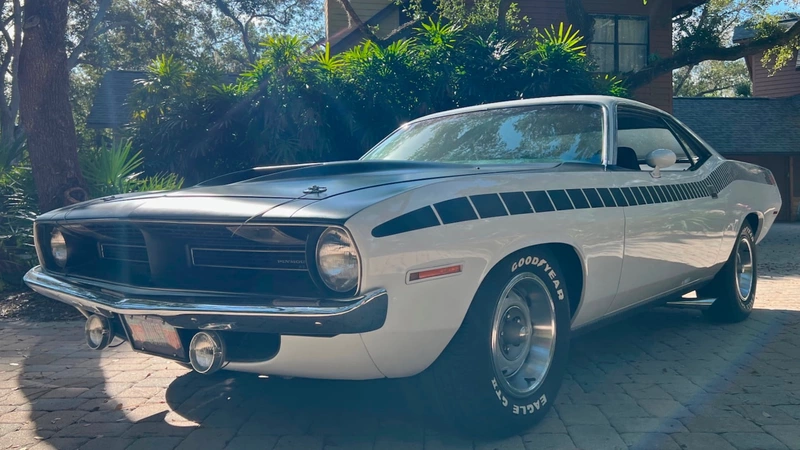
712	190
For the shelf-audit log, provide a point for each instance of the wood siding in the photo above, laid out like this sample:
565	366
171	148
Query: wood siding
336	17
785	82
543	13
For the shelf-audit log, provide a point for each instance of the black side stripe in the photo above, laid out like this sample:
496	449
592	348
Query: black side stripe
488	205
560	200
578	199
629	197
540	201
652	193
516	202
455	210
414	220
641	193
619	197
608	199
534	202
594	198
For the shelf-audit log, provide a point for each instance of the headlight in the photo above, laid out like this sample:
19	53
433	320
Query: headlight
337	260
58	247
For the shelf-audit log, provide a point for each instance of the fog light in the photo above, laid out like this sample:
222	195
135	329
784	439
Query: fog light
207	352
98	332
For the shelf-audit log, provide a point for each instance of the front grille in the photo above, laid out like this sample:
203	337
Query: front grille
249	259
218	257
133	253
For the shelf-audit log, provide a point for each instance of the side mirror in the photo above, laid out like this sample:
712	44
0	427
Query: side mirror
660	158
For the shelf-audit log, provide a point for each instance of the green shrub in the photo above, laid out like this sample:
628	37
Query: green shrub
117	170
296	106
17	212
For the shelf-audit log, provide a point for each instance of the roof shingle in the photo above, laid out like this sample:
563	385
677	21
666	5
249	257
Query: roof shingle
110	108
743	125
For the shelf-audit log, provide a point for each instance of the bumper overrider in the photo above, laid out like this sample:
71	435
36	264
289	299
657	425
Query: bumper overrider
217	311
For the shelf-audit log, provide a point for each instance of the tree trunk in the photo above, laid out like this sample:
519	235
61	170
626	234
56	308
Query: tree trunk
502	12
580	19
45	109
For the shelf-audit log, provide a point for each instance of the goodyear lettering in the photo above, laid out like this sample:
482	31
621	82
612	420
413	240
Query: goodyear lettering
534	261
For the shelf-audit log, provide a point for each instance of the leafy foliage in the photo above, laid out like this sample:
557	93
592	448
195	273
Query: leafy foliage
116	170
296	106
713	79
17	212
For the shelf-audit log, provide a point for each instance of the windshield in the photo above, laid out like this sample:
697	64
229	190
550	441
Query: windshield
535	134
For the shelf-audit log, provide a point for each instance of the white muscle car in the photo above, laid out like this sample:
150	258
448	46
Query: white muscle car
465	248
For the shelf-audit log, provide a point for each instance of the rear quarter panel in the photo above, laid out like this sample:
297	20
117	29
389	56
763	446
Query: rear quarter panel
749	192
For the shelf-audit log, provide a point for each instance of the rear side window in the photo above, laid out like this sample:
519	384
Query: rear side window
644	133
696	151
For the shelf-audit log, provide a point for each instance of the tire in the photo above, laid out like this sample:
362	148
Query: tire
734	287
465	386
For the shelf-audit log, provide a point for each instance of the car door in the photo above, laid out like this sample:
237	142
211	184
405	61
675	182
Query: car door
672	231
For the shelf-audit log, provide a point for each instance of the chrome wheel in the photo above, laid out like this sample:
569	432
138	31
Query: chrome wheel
523	334
744	268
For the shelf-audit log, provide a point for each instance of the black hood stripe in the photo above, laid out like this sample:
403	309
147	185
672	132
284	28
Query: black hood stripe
487	206
414	220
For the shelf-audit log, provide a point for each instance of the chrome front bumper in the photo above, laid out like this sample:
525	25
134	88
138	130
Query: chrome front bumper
218	311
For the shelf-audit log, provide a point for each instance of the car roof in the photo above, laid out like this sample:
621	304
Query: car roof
601	100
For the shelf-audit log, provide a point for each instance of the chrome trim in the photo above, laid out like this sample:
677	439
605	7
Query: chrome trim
186	222
192	249
105	302
699	303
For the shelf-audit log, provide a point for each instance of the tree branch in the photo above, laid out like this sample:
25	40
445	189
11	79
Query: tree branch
7	56
14	105
682	79
715	89
352	18
102	8
248	46
689	57
402	27
502	12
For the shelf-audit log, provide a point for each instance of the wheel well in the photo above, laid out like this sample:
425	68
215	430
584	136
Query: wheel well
572	268
752	220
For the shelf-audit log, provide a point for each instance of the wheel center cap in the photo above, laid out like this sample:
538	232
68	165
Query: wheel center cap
516	333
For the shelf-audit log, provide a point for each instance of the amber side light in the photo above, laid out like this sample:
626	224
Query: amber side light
432	273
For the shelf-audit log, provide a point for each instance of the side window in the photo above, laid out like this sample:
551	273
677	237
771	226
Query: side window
640	133
697	152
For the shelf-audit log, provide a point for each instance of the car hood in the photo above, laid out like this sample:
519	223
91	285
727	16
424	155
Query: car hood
275	192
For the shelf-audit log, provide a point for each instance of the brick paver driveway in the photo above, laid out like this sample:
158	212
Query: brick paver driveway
663	379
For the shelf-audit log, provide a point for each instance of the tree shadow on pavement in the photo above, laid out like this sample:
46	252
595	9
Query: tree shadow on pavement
669	366
662	379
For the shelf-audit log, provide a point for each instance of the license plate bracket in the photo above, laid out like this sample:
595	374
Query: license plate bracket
151	334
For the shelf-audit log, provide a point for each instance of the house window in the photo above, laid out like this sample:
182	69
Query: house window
620	43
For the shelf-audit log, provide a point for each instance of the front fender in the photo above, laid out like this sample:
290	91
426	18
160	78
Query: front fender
424	316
